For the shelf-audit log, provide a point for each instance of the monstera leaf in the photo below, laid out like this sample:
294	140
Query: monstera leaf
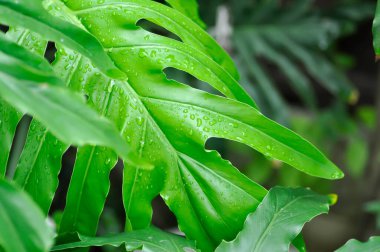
163	121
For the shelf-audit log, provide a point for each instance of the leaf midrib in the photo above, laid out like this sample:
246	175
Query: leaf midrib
275	216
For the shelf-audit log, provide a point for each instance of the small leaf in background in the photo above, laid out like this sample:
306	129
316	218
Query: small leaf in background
278	220
151	239
367	115
356	156
372	245
23	227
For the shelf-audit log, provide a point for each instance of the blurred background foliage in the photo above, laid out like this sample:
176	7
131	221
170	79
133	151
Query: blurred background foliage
310	65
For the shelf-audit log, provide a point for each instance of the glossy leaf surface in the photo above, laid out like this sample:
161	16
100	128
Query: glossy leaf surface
167	123
278	220
156	127
372	245
31	14
28	83
9	116
151	239
189	8
23	226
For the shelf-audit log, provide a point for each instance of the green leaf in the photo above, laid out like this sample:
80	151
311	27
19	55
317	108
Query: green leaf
189	8
299	243
29	84
143	55
356	156
372	245
167	123
151	239
278	220
185	173
10	117
23	226
376	30
31	14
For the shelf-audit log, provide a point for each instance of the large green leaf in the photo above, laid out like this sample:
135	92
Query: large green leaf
185	174
151	239
167	123
278	220
23	226
31	14
372	245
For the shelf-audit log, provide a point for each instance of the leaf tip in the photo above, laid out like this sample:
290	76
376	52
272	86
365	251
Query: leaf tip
333	199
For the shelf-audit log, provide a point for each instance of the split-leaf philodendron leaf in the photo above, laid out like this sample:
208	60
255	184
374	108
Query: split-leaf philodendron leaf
150	239
277	220
22	224
163	121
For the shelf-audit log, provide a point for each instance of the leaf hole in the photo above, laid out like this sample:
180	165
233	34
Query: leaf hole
67	166
188	79
239	154
18	145
156	29
50	52
4	28
112	218
163	218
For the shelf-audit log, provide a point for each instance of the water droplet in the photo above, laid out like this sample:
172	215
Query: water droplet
142	53
139	120
199	122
